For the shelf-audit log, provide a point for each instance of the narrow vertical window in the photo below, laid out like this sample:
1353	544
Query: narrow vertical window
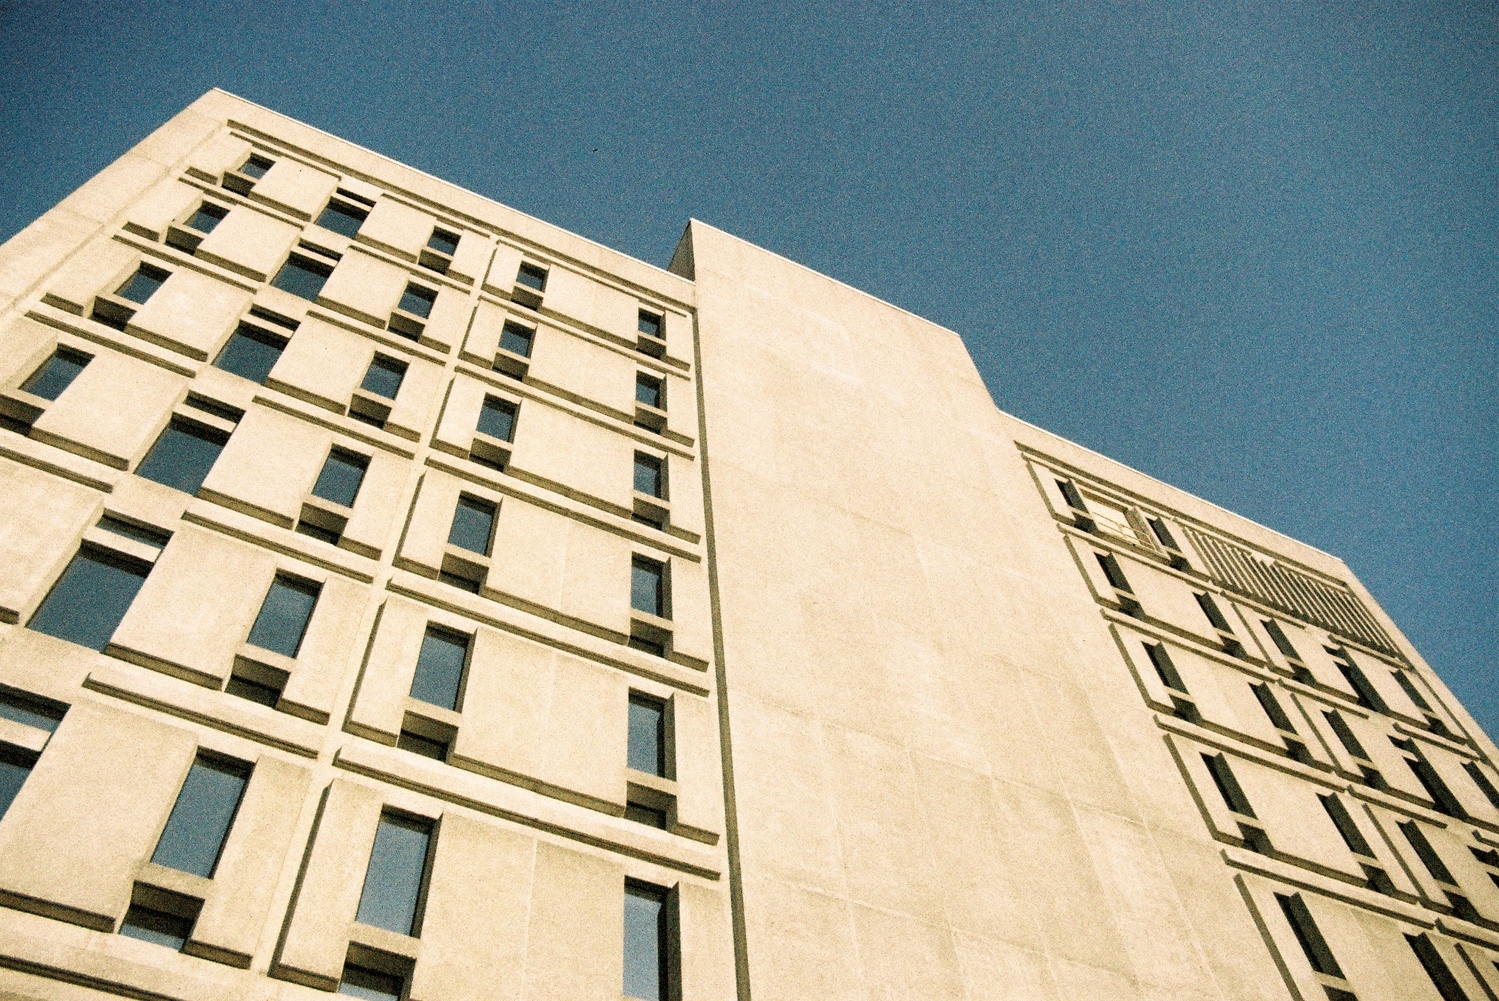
1113	572
497	418
1436	968
1271	705
648	946
200	821
647	751
183	455
1228	786
473	525
1210	609
649	324
1280	639
1411	691
1345	734
649	475
1343	821
648	391
1483	783
1426	853
342	475
395	881
648	587
1368	696
439	668
90	599
1163	534
56	374
1072	495
1309	935
1437	789
284	615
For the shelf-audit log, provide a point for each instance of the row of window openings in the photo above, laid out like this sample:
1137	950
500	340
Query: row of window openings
1083	519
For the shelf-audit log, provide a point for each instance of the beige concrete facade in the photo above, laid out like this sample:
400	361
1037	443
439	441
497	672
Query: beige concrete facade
951	708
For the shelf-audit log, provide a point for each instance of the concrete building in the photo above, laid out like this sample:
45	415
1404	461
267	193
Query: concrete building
404	597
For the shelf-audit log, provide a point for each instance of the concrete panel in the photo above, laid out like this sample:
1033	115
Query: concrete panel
684	486
89	813
595	584
679	336
681	407
294	188
191	313
397	228
474	929
222	152
324	364
99	267
39	248
554	446
24	346
106	194
460	415
373	524
161	207
420	390
699	769
707	944
270	462
811	936
1294	819
916	959
575	936
692	633
47	517
471	258
364	287
530	552
502	269
582	370
483	338
591	303
331	648
449	320
113	411
249	242
380	701
431	519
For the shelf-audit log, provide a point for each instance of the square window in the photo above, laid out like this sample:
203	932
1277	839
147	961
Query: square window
182	456
648	475
383	377
396	875
15	765
207	216
284	615
90	598
200	820
56	374
473	524
148	925
497	418
532	276
647	746
418	299
649	324
443	242
143	284
439	668
251	353
648	587
362	982
256	166
342	218
517	339
302	277
648	391
342	474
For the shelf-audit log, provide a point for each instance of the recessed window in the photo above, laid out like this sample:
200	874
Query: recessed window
1163	534
256	166
1228	786
1280	639
1343	821
251	353
473	525
649	323
1164	668
1410	690
302	277
1113	572
648	587
517	339
143	284
497	418
158	927
1345	734
648	948
90	598
15	765
1482	781
206	217
342	217
383	377
56	374
1432	782
650	816
258	692
647	748
199	823
427	747
1307	933
649	646
183	455
418	299
1210	609
372	985
342	474
650	476
1071	494
443	242
284	615
29	710
1436	968
532	276
396	876
1273	710
648	391
439	668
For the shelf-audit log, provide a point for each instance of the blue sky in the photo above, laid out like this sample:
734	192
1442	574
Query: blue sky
1251	249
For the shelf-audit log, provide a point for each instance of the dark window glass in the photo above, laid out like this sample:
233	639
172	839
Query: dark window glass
143	284
1113	572
517	339
284	615
648	390
532	276
1368	696
425	746
650	816
439	668
89	599
56	374
384	377
647	749
648	587
1436	968
1164	667
1271	705
200	821
1432	782
182	456
362	982
443	242
302	276
1070	492
207	217
1411	692
256	166
1228	786
28	710
393	882
1345	735
645	943
155	538
15	765
473	521
1163	534
649	324
342	474
1210	609
1426	852
418	300
1308	934
159	927
342	218
648	479
251	353
1281	640
1475	773
497	418
1341	819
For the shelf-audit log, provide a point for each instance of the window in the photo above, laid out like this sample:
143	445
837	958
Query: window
199	823
517	339
1273	710
649	475
439	668
143	284
648	587
284	615
417	300
427	747
363	982
1368	696
159	927
1343	821
1113	572
1071	494
183	455
1483	783
648	391
342	474
1164	668
90	598
649	324
342	217
15	765
383	378
207	216
56	374
1436	968
647	734
1430	780
256	166
1411	692
532	276
473	524
649	646
1280	639
302	277
1228	786
1210	609
1345	734
1163	534
396	879
251	353
1307	933
258	692
497	418
443	242
648	949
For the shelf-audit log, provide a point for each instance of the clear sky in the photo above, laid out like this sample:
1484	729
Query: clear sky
1251	249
